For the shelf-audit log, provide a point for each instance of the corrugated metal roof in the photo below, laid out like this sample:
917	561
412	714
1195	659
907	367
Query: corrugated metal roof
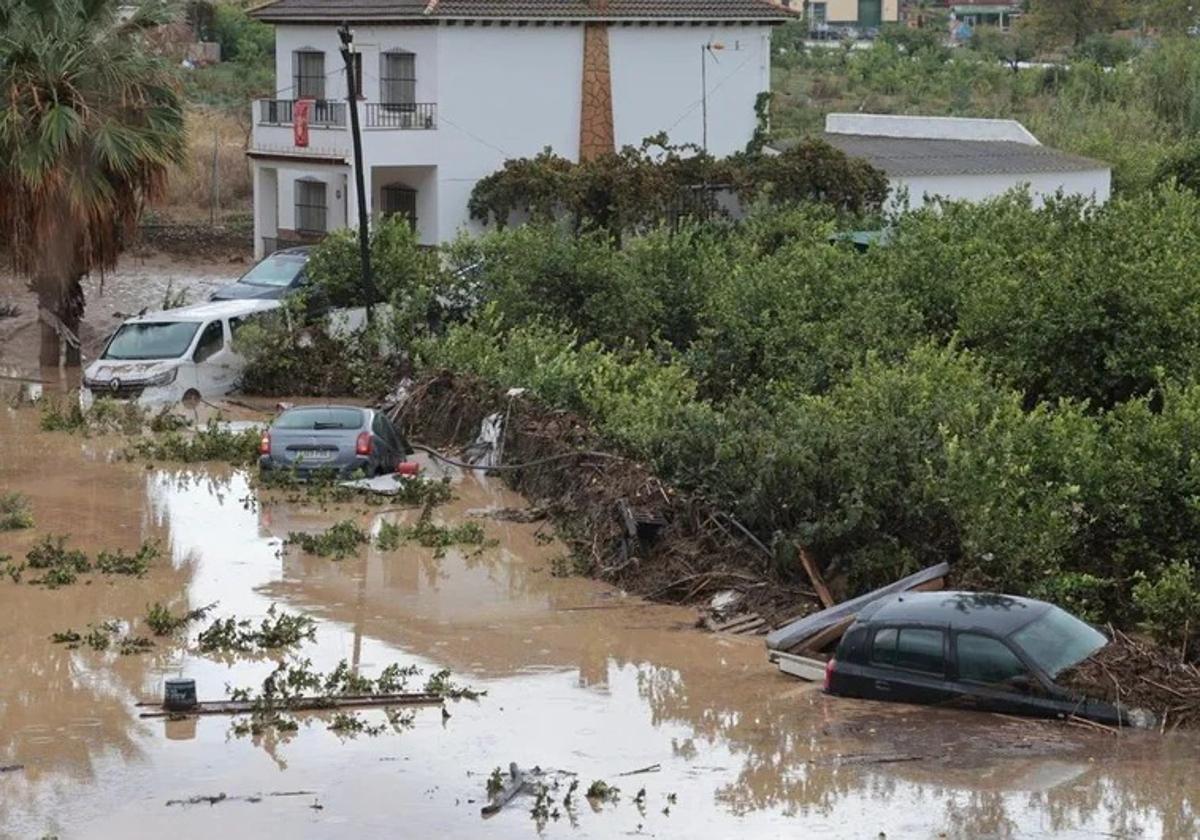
921	156
337	10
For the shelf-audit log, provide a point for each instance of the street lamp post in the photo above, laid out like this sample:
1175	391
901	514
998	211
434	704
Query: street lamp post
705	49
353	85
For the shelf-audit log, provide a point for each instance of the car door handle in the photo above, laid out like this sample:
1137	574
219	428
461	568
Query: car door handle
882	685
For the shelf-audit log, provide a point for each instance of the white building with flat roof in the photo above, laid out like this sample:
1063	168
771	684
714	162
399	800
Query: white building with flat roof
960	158
453	88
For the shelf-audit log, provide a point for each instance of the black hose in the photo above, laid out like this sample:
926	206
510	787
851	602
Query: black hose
560	457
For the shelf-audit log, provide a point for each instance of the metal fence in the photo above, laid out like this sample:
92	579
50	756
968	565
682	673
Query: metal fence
408	115
324	113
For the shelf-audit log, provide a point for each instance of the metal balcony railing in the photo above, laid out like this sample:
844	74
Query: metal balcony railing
323	114
406	115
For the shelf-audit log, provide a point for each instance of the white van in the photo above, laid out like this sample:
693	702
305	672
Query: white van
163	357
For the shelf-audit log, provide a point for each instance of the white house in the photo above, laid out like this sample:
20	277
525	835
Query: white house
960	158
453	88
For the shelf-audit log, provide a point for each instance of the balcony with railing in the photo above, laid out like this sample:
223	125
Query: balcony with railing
323	113
326	113
401	115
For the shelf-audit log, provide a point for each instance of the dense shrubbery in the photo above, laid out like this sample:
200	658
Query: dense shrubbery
638	188
1012	389
1007	388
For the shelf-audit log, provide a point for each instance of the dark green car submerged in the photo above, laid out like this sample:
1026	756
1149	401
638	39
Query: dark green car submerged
997	653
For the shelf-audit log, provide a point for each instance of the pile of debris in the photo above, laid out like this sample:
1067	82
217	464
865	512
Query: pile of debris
1134	674
802	647
632	528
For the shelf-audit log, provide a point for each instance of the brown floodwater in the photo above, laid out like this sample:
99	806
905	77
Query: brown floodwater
579	678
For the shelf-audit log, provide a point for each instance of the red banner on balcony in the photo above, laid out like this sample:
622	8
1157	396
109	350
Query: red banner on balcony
300	114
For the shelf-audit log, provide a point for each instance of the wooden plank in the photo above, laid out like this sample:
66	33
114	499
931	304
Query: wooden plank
804	667
737	621
795	633
819	641
299	704
814	575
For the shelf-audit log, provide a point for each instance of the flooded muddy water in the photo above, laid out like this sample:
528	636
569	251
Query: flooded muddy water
579	678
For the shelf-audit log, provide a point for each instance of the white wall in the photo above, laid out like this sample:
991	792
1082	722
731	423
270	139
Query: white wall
1096	184
504	92
656	82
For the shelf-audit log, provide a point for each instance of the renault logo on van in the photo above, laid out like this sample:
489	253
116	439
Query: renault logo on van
114	384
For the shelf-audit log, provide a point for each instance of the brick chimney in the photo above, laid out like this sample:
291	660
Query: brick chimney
596	137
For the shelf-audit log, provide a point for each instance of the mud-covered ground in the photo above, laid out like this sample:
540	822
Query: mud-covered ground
579	678
143	279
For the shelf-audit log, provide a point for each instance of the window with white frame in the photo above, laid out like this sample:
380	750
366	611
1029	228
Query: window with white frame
308	74
311	209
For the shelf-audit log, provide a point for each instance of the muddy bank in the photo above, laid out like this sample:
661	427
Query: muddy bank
621	521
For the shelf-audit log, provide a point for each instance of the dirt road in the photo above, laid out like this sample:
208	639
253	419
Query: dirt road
578	677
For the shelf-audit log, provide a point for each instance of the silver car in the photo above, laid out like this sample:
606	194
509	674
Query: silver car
342	439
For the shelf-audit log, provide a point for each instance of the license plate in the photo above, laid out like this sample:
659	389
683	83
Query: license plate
314	454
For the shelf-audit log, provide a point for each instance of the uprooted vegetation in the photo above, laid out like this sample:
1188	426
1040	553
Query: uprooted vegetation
338	541
1134	674
274	705
427	533
102	637
61	566
326	487
212	442
156	435
14	512
163	622
277	630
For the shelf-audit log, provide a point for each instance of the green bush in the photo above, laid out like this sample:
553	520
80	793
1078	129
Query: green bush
1169	604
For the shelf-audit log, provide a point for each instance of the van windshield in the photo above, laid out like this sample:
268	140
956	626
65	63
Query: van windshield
154	340
320	418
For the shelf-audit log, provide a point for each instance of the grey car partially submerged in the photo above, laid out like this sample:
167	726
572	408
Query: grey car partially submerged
337	439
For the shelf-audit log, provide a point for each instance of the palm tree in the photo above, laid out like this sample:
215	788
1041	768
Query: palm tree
90	121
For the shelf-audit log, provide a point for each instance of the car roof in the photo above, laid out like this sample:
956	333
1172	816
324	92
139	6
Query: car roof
334	406
207	311
294	251
998	614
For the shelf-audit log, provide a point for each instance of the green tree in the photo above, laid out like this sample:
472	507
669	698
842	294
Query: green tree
90	122
1072	21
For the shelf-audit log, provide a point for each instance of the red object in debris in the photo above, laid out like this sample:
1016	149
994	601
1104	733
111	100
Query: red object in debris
301	109
362	446
264	445
408	468
829	672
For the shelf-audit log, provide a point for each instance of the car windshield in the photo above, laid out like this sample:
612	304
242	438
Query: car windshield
153	340
1057	640
320	418
275	270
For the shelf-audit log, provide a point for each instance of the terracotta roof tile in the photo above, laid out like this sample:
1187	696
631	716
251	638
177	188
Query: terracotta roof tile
297	10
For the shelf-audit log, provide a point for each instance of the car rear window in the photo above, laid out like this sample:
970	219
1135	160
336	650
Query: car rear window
276	270
986	660
320	418
151	340
1058	640
910	648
